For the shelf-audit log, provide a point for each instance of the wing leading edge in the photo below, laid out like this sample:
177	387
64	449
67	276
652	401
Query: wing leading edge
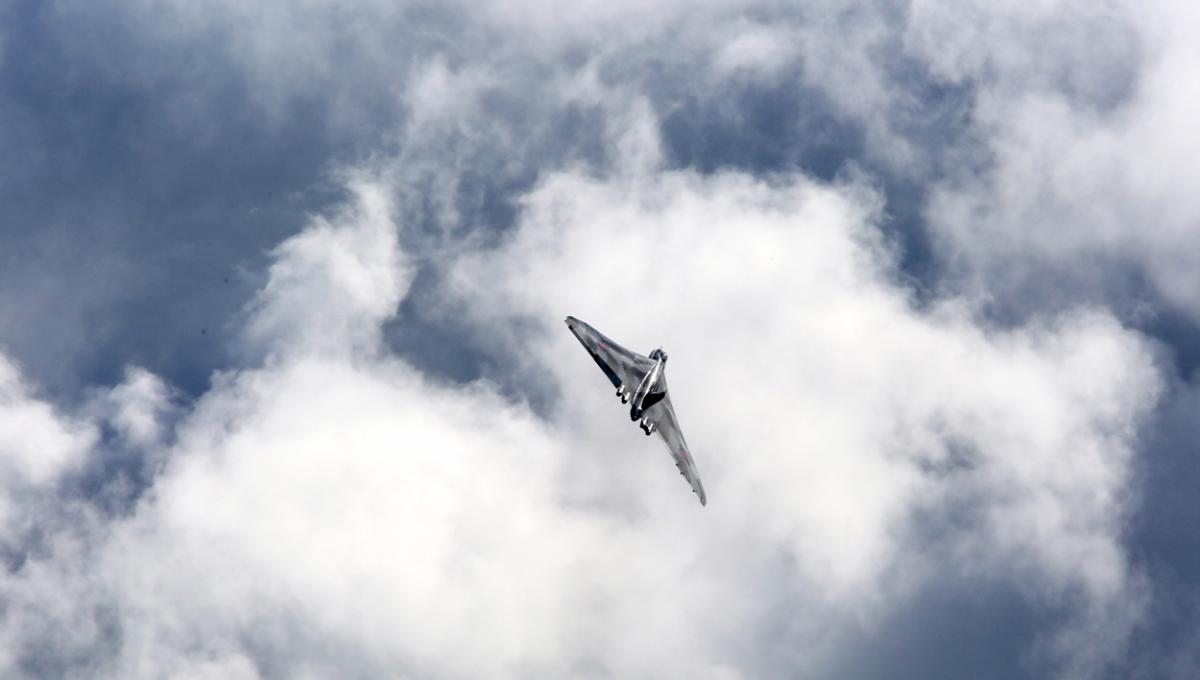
620	366
625	368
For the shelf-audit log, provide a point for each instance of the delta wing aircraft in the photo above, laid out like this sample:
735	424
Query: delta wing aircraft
650	402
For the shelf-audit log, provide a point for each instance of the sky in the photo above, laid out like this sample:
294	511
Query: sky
285	390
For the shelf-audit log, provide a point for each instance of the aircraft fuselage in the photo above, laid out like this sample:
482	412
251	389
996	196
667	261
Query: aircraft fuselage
650	391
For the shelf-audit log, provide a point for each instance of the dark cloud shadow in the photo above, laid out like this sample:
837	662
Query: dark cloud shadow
138	213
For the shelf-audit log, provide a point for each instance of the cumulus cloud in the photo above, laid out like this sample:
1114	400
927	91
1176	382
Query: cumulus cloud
37	446
348	271
1091	159
335	510
845	410
138	408
718	181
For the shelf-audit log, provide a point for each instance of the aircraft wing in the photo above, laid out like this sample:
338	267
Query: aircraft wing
662	415
621	366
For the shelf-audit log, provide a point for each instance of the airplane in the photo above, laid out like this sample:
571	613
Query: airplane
650	402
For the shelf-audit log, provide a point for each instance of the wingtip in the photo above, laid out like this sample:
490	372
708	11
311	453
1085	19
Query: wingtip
573	325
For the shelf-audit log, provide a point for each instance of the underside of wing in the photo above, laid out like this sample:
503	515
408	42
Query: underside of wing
620	366
667	426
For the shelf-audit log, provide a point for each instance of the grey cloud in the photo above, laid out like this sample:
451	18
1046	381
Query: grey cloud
335	489
161	150
140	194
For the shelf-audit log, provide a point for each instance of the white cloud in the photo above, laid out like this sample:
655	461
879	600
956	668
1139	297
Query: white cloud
138	407
329	509
37	446
823	396
336	509
332	285
754	50
1087	113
